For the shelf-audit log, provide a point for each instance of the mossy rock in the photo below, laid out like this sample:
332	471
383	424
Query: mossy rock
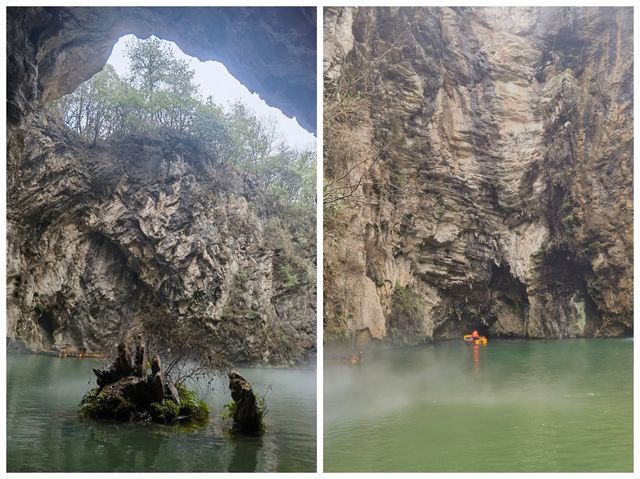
110	403
191	405
103	404
229	410
164	412
247	408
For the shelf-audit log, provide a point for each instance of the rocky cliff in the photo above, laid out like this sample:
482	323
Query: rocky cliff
99	235
478	172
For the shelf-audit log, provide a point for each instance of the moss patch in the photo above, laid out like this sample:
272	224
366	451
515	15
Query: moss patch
405	318
110	403
165	411
107	404
191	405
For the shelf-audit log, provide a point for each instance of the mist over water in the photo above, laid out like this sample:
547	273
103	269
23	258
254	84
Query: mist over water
508	406
45	433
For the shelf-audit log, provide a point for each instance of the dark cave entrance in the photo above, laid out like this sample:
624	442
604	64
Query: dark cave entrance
47	324
627	332
564	273
507	286
509	297
566	277
483	329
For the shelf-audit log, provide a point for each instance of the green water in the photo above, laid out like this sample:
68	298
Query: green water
510	406
44	432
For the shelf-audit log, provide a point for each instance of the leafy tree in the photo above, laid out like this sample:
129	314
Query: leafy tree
148	61
255	140
209	124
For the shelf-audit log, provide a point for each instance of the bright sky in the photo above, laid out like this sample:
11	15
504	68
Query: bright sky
214	80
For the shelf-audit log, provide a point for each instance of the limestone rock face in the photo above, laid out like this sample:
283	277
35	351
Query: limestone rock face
50	51
97	234
482	156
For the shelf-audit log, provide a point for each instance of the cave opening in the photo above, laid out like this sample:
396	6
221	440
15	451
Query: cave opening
47	324
564	272
566	277
150	84
627	331
505	284
483	329
132	198
509	302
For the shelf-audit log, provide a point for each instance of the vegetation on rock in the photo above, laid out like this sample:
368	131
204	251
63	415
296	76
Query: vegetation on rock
246	408
406	316
126	392
431	179
160	97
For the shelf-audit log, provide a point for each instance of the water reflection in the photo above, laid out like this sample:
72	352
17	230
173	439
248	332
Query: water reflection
476	357
245	455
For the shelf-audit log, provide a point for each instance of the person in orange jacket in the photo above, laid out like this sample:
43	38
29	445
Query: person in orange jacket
475	336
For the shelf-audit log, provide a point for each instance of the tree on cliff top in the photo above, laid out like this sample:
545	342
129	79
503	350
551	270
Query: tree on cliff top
160	95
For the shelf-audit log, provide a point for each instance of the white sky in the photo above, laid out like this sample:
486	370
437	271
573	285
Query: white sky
214	80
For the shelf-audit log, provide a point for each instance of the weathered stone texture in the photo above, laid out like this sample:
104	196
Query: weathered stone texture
97	234
501	187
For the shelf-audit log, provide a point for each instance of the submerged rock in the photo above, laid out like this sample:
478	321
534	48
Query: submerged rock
247	411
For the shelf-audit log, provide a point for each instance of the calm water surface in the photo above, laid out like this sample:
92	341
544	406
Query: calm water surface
44	432
508	406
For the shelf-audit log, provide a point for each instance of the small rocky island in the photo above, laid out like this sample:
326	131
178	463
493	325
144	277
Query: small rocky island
126	392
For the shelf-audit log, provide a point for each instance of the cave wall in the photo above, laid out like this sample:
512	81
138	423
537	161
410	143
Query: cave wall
501	186
272	51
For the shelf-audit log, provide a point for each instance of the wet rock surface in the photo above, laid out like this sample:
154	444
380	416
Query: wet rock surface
500	148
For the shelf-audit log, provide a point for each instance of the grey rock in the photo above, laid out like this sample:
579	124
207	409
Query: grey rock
97	235
158	387
139	364
155	365
172	392
500	191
